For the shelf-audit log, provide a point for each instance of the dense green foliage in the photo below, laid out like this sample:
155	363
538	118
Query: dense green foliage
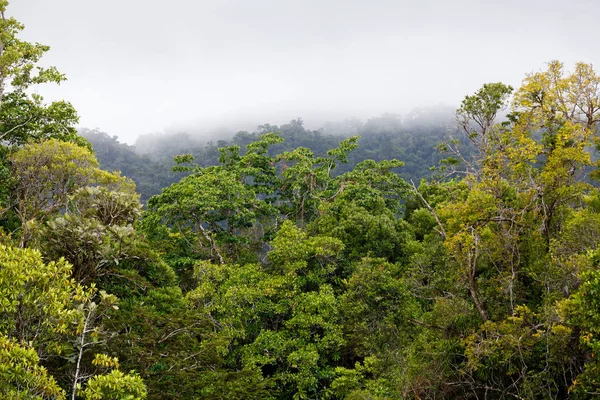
295	264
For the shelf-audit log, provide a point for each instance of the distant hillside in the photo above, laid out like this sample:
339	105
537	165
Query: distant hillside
412	140
149	174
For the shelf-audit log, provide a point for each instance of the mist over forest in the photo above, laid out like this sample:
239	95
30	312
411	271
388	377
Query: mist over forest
264	246
414	138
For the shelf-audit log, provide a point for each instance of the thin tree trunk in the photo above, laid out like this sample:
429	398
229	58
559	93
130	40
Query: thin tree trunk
80	355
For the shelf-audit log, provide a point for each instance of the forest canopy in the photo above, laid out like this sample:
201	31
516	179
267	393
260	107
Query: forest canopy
292	264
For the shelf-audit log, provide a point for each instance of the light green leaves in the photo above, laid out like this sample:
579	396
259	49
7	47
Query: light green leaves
36	298
21	376
115	385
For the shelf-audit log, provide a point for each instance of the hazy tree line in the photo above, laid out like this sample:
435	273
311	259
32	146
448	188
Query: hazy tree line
292	266
413	138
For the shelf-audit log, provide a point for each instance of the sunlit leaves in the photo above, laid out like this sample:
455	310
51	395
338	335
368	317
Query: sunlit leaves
36	298
21	376
115	385
47	174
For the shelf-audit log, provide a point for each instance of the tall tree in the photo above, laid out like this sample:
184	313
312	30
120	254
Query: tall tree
46	174
24	115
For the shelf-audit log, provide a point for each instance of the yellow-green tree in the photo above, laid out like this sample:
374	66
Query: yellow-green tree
46	175
505	235
21	376
24	116
44	312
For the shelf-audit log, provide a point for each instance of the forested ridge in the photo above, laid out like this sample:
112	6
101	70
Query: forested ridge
295	264
413	138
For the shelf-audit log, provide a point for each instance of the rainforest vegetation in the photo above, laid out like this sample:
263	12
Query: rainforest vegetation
412	139
295	264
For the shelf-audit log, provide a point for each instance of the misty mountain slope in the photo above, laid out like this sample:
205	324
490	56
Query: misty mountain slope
149	175
149	162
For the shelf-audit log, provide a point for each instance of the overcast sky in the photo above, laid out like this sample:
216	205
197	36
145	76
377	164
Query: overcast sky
141	66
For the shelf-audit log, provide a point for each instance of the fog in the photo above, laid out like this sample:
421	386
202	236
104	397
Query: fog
138	67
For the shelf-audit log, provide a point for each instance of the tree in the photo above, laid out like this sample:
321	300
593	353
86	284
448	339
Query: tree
515	231
520	183
218	209
37	299
46	175
284	319
21	376
27	118
177	349
24	115
477	114
364	212
306	179
97	236
42	308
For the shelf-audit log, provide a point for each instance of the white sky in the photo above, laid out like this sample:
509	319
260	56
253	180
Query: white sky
141	66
